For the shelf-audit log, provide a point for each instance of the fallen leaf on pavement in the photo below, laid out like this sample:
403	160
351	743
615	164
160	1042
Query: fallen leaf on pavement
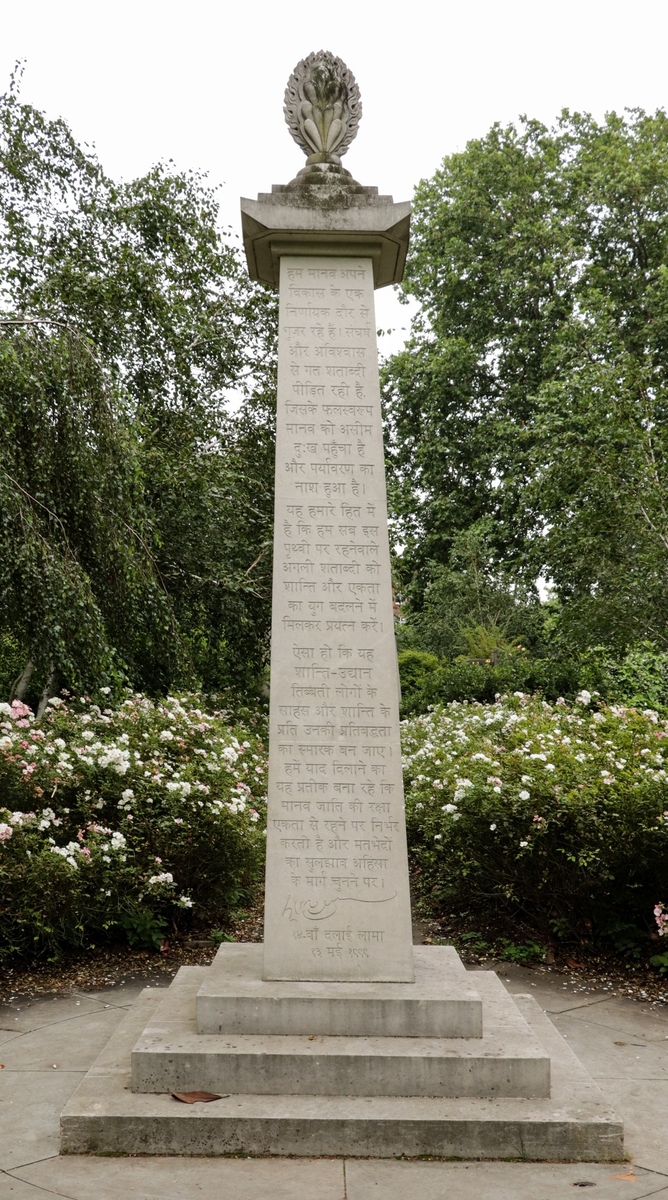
197	1097
570	962
630	1177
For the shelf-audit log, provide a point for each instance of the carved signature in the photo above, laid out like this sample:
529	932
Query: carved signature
319	910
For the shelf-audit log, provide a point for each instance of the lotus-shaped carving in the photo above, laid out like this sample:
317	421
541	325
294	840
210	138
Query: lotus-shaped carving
322	107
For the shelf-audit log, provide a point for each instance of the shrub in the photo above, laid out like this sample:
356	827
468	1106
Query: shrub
125	821
552	811
427	680
638	678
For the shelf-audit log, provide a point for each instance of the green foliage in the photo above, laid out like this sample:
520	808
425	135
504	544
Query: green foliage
523	953
472	606
144	929
135	512
638	678
74	575
533	393
426	680
121	822
552	812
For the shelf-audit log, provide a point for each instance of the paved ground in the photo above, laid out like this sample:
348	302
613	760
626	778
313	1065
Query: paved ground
47	1045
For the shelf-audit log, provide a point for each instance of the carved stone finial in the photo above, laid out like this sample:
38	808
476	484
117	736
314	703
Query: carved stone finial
322	107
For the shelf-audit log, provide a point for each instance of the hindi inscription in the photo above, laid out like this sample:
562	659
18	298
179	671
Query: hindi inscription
337	903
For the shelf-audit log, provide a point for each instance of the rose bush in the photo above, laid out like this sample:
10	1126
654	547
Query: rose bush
126	820
555	812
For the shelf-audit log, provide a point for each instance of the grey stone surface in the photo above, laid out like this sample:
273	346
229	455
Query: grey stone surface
641	1104
183	1179
14	1188
45	1056
576	1122
322	106
170	1055
443	1001
497	1181
337	904
554	992
320	222
32	1052
616	1052
27	1015
29	1104
644	1104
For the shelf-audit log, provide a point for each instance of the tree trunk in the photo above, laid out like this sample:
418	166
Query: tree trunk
43	700
20	684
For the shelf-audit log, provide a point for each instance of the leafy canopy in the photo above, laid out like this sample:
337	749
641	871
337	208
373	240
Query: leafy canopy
134	508
533	392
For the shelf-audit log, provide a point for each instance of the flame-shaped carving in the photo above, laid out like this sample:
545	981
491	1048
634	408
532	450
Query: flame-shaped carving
322	106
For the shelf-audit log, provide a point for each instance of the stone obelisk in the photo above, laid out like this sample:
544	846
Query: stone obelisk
330	1039
337	901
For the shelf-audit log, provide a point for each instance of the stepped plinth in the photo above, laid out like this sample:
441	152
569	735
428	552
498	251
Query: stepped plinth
442	1002
516	1091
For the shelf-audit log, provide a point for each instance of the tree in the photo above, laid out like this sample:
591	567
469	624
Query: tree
135	509
534	389
471	607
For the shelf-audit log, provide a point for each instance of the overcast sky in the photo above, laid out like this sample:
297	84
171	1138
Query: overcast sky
202	83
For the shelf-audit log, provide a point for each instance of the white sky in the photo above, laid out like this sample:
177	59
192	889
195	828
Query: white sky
202	83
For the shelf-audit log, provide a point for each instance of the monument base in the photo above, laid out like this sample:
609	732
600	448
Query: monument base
442	1002
517	1091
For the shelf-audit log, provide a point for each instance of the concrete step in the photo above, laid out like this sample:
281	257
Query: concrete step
105	1117
442	1002
171	1056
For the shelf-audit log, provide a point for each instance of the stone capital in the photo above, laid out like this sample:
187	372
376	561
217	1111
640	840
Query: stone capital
360	224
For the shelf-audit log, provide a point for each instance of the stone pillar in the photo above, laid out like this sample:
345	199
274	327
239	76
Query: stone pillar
324	1041
337	903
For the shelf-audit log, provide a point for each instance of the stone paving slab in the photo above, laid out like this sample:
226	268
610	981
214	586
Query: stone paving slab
183	1179
323	1179
644	1103
12	1188
497	1181
65	1048
613	1053
554	992
29	1105
6	1036
32	1014
623	1015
